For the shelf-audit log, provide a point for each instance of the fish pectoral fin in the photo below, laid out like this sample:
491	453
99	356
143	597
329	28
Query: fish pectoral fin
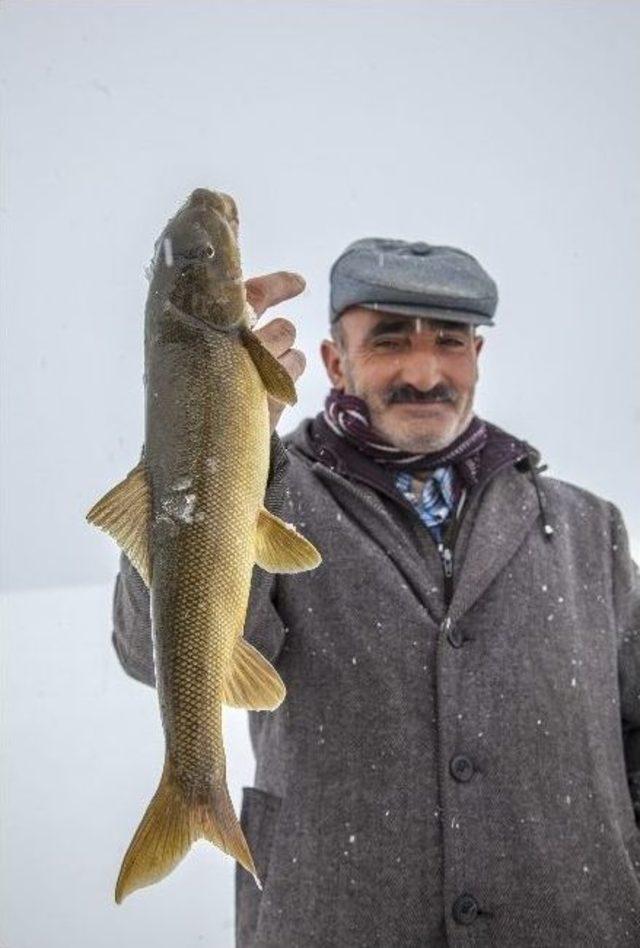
172	822
275	377
280	548
252	682
124	513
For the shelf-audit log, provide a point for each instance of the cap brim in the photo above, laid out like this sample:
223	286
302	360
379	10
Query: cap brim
429	312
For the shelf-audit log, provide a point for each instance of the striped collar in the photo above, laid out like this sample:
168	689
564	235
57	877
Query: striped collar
436	500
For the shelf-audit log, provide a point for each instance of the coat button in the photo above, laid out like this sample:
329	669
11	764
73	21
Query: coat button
455	636
461	768
465	909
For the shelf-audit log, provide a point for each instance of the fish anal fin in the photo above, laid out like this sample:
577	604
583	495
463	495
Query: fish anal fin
252	682
280	548
172	822
275	377
124	513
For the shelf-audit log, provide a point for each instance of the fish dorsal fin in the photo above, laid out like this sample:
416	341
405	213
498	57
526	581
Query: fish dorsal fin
275	377
124	513
280	548
252	682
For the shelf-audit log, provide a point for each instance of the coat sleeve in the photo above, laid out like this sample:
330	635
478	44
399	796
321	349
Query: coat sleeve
626	591
131	635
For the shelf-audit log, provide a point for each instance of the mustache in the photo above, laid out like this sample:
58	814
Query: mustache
408	394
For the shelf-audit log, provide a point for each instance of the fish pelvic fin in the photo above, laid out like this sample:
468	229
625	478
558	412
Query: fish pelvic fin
124	513
275	377
280	548
252	682
172	822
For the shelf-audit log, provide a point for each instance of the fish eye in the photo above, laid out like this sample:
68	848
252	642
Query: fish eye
209	250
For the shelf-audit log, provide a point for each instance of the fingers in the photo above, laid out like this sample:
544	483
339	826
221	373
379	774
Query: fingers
294	362
277	336
275	410
274	288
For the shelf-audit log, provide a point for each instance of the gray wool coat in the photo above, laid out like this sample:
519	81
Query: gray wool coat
458	776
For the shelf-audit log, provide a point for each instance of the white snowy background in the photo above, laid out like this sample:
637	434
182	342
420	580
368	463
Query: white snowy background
509	129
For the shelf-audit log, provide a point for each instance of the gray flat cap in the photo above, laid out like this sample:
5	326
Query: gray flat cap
414	279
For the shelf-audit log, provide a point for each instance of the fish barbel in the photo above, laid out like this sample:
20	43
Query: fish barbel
191	519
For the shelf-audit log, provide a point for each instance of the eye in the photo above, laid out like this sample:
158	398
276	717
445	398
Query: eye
453	341
195	253
387	343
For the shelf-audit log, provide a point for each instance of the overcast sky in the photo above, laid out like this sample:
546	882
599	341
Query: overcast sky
508	129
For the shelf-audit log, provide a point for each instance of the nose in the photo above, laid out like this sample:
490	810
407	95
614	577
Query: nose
420	368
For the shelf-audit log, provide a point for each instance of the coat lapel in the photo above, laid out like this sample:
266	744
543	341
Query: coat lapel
363	504
493	531
493	528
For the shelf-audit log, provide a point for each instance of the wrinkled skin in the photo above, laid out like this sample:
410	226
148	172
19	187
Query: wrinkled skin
418	377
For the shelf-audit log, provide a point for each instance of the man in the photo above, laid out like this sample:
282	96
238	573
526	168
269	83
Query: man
453	761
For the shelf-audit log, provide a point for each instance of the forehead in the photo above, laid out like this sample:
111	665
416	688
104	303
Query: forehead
371	322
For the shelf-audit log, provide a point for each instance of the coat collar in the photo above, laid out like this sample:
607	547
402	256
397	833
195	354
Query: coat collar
494	526
497	516
363	504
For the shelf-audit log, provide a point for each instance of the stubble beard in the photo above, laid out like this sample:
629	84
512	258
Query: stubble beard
404	433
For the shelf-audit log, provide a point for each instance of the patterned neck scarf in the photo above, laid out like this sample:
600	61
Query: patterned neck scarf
348	416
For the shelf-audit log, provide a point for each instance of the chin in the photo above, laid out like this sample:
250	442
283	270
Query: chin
426	445
421	442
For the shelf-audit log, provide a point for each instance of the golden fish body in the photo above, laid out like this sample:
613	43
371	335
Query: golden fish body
203	537
191	518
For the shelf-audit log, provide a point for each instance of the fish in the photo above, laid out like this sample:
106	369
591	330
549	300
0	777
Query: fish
191	518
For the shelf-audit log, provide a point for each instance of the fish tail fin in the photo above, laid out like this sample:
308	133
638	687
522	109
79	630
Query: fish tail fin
170	825
219	824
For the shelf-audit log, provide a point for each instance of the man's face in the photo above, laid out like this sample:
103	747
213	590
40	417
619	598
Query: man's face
417	376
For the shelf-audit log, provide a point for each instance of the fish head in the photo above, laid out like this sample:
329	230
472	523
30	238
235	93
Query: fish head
196	264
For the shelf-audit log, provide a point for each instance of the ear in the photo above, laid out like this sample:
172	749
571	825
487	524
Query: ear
333	363
478	342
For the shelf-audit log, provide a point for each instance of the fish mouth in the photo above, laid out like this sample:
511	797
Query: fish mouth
200	272
218	202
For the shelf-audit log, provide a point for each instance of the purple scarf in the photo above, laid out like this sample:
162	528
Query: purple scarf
348	416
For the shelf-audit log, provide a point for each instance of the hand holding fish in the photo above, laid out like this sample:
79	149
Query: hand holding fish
278	335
